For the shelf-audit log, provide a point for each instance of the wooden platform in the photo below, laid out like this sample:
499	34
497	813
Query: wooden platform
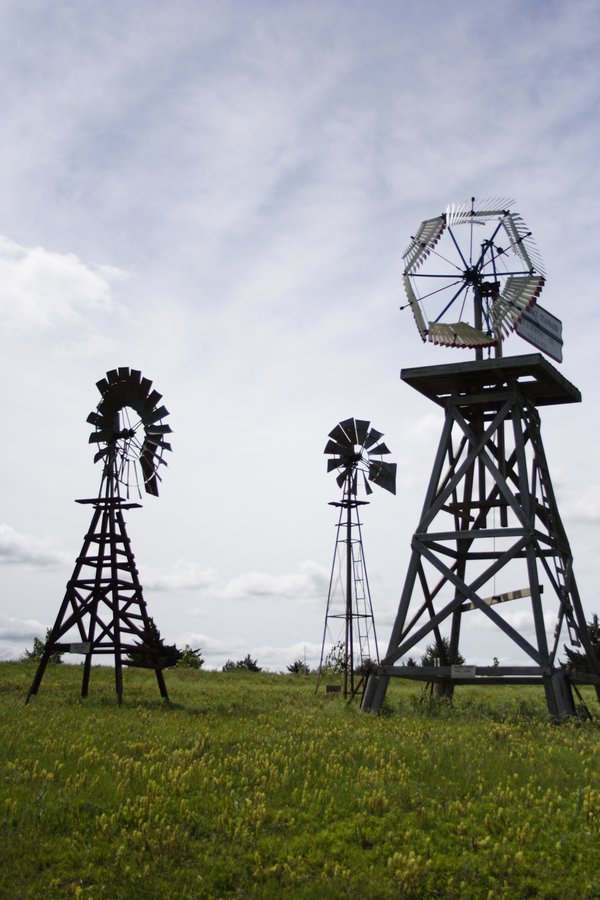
474	380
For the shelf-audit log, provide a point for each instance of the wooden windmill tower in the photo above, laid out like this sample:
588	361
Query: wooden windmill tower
489	548
103	610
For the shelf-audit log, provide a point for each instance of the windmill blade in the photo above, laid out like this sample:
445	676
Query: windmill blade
145	385
156	442
113	376
368	488
342	477
362	429
123	373
155	415
372	438
153	398
421	245
159	429
384	475
380	449
102	385
340	436
349	427
354	483
101	454
332	447
95	418
100	437
151	477
334	464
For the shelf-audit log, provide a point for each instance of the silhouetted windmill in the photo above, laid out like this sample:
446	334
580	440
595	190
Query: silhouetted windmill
356	450
103	610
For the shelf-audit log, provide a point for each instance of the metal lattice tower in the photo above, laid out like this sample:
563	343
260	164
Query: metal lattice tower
356	452
103	610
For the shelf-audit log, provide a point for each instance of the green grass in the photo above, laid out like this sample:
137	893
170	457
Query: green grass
249	785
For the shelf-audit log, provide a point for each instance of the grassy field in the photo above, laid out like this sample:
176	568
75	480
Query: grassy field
249	785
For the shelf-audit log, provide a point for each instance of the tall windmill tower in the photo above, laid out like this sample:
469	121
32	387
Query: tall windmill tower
103	610
355	450
490	546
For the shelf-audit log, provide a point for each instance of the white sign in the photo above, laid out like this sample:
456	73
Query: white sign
543	330
79	648
463	671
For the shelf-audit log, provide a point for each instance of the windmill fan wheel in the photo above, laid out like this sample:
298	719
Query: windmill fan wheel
356	449
129	429
471	273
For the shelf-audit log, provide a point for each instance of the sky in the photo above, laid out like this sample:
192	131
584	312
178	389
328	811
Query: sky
220	194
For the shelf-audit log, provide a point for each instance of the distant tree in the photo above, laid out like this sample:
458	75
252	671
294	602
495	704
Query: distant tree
153	647
190	659
298	667
436	656
411	661
578	661
249	664
367	667
36	652
495	662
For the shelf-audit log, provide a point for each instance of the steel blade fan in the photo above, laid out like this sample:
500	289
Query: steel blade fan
130	431
471	273
356	450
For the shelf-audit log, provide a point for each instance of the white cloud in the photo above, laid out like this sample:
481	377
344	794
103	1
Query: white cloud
16	635
308	584
28	550
88	346
582	505
40	288
182	576
12	629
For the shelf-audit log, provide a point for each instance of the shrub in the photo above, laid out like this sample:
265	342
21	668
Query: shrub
168	654
36	652
298	667
578	661
435	655
190	659
247	663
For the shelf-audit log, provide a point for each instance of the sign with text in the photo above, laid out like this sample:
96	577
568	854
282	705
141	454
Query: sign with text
543	330
80	648
463	671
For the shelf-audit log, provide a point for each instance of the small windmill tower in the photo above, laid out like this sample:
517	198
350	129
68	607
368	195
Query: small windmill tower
356	450
103	610
490	548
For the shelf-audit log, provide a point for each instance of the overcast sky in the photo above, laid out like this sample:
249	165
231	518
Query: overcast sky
219	194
